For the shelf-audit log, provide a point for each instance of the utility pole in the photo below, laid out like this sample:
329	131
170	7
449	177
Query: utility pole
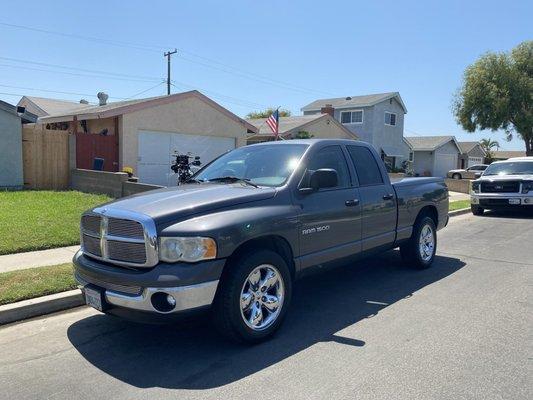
168	54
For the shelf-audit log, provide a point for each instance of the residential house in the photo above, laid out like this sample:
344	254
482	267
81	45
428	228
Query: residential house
11	167
144	134
377	119
320	126
471	154
433	155
505	154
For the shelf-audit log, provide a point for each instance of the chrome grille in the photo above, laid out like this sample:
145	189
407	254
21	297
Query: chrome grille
119	237
125	228
91	224
84	280
126	251
92	245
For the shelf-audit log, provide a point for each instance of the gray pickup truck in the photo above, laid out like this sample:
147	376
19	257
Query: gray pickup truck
234	239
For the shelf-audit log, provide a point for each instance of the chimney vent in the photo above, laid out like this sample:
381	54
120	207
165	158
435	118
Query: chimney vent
327	109
83	101
102	98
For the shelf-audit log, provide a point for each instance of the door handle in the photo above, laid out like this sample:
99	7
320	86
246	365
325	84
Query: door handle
351	203
389	196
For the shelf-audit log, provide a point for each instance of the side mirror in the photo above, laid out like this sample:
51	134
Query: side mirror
323	178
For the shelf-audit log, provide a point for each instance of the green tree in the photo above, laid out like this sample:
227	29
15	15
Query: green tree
497	93
303	135
267	113
488	145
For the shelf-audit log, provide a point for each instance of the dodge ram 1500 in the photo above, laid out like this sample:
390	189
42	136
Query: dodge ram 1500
235	238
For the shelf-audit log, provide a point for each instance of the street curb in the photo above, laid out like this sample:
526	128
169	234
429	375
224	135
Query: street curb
459	212
40	306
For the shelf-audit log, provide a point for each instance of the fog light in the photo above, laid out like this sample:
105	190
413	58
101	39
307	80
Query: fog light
171	301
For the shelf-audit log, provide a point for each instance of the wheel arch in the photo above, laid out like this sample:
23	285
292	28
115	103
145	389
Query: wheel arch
429	211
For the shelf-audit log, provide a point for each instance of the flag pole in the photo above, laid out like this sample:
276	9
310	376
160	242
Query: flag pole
277	123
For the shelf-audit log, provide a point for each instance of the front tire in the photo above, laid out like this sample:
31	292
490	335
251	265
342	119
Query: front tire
419	251
253	296
477	210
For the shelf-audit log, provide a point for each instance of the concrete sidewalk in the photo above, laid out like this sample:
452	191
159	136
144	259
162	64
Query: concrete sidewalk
41	258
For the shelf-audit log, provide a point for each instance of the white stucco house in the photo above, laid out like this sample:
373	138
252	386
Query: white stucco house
144	134
433	155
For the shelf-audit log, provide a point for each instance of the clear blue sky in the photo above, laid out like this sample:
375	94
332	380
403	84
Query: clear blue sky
252	54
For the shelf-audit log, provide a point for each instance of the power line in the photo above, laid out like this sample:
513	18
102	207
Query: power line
58	91
227	68
144	91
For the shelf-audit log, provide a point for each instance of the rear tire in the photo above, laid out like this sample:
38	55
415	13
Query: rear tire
246	291
477	210
419	251
456	176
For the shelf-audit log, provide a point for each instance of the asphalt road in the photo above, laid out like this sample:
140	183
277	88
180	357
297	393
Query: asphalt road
373	330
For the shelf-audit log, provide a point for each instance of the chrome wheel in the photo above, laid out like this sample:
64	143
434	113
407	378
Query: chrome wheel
262	297
426	243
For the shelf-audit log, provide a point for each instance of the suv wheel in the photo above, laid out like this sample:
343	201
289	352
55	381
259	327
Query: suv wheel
419	251
476	210
253	297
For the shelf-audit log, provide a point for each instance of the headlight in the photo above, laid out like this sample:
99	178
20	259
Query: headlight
475	186
187	249
527	186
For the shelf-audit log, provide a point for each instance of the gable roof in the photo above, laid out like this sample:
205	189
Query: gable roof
52	106
116	108
25	117
355	101
429	143
293	124
467	147
505	154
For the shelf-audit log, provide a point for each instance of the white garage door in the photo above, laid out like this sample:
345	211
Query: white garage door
474	161
156	150
444	163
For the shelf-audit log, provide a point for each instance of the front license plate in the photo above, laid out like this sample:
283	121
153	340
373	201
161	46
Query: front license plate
514	201
93	298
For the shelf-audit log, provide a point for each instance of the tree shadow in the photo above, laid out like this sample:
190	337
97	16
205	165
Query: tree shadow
192	355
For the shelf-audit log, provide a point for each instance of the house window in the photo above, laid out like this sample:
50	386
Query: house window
352	117
390	118
411	156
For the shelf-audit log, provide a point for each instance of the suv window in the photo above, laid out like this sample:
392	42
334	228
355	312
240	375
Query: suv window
331	157
365	165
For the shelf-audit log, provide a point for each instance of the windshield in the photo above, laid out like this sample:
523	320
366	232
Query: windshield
510	168
262	165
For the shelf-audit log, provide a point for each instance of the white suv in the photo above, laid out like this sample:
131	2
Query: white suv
504	184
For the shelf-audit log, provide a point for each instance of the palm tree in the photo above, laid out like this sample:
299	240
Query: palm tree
488	145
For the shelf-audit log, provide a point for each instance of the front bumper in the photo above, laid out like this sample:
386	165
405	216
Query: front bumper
501	200
192	286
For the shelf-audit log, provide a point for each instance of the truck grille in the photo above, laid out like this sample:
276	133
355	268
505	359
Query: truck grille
119	240
84	280
500	187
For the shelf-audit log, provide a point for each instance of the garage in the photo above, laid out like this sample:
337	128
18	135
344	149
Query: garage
157	150
444	163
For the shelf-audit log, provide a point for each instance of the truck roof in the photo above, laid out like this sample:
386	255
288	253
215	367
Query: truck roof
309	142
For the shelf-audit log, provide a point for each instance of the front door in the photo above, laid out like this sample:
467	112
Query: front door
330	219
378	200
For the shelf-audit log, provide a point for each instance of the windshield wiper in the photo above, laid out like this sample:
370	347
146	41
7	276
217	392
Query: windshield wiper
246	181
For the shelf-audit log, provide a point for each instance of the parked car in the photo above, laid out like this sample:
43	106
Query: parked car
470	173
503	185
236	237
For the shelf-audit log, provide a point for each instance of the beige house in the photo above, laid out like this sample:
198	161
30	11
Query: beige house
320	126
144	134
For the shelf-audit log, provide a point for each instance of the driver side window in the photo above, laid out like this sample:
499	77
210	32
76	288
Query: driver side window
331	157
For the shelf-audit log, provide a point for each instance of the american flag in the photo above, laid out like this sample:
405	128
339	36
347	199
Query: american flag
273	122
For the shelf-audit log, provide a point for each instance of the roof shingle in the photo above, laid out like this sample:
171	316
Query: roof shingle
354	101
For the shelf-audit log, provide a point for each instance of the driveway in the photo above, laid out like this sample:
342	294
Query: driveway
372	330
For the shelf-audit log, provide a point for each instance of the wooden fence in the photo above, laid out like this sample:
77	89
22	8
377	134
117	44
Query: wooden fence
45	155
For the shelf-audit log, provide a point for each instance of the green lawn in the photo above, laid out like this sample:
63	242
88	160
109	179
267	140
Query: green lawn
459	204
34	282
36	220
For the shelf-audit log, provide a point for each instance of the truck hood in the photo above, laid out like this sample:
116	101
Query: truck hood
178	202
497	178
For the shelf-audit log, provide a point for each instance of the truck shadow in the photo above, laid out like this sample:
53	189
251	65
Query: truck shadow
193	356
517	214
